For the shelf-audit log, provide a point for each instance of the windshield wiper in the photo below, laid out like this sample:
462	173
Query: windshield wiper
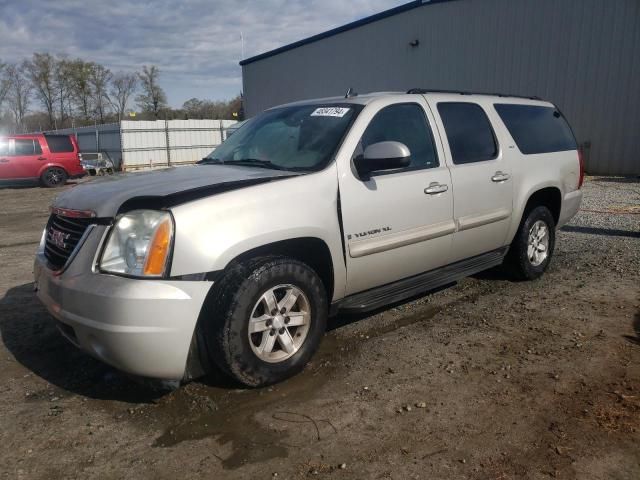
209	161
254	162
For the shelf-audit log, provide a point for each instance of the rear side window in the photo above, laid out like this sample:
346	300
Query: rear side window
23	146
405	123
59	143
469	132
537	129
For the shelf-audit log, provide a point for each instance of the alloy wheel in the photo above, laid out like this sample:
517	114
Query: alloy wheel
54	176
279	323
538	243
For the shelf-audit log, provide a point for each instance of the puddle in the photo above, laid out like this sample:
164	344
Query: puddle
252	426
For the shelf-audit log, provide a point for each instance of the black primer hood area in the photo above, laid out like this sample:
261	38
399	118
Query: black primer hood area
161	188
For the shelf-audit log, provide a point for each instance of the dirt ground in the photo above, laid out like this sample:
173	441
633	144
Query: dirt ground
490	379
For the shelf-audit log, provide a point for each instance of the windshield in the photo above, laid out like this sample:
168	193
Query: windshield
289	138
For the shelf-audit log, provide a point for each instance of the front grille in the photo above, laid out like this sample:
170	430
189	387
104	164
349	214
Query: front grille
63	235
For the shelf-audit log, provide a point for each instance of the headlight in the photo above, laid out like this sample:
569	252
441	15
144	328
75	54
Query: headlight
139	244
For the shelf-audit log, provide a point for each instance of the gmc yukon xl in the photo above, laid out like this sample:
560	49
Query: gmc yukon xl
309	209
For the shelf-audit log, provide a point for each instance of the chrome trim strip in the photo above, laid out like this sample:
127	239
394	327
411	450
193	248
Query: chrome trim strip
360	248
472	221
66	212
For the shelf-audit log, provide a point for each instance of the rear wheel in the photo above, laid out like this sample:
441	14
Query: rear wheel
533	245
265	320
53	177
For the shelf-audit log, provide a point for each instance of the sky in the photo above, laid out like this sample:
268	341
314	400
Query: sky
195	43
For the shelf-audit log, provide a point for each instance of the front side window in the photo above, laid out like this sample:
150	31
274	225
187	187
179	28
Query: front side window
4	146
405	123
469	132
537	129
303	138
23	147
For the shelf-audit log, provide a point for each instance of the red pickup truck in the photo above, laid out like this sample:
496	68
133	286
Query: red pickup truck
39	158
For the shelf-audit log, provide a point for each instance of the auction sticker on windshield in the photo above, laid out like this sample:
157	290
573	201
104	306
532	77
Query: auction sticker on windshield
330	112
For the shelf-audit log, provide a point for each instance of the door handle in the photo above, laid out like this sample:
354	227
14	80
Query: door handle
4	160
435	188
42	158
500	177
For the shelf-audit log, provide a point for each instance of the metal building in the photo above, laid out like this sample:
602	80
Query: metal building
583	55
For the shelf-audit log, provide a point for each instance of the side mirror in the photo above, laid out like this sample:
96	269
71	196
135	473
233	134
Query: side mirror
382	156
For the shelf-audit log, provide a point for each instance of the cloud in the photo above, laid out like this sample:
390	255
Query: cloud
195	43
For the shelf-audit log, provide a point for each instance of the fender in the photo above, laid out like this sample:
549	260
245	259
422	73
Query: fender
212	231
49	165
521	200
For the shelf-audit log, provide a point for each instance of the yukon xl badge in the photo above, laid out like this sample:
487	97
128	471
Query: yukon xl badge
59	239
368	233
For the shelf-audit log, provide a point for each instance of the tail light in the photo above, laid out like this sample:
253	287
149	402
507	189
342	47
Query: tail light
581	161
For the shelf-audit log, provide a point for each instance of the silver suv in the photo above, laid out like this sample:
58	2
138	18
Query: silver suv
309	209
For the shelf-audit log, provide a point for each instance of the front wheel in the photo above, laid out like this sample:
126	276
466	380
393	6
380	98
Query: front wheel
533	245
53	177
266	319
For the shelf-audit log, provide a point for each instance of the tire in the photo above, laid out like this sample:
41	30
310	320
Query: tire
533	245
244	293
53	177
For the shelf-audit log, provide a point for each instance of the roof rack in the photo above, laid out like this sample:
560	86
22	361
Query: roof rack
462	92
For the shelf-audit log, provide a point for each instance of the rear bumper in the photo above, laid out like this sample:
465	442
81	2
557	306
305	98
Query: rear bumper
143	327
570	206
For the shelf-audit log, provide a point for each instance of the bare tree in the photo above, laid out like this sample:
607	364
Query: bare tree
196	108
62	81
18	94
79	73
4	83
123	85
152	99
99	79
40	71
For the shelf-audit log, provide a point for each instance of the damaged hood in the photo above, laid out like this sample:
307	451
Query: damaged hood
105	195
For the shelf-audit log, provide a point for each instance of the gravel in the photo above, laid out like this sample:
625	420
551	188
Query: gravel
608	220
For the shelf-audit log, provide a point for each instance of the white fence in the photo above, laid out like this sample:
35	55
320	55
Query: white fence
135	145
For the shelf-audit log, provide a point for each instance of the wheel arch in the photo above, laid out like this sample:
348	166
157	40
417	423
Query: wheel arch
47	166
312	251
549	196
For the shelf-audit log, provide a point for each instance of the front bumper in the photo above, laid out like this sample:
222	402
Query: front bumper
143	327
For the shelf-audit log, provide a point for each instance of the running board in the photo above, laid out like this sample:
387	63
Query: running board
409	287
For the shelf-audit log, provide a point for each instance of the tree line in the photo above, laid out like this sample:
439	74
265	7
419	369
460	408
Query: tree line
48	92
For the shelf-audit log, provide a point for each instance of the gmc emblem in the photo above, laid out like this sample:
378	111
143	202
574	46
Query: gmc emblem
59	239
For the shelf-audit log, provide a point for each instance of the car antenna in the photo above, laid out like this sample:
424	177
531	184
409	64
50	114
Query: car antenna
350	93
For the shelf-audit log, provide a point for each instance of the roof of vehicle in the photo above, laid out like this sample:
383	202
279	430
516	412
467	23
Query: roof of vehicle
450	95
349	26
